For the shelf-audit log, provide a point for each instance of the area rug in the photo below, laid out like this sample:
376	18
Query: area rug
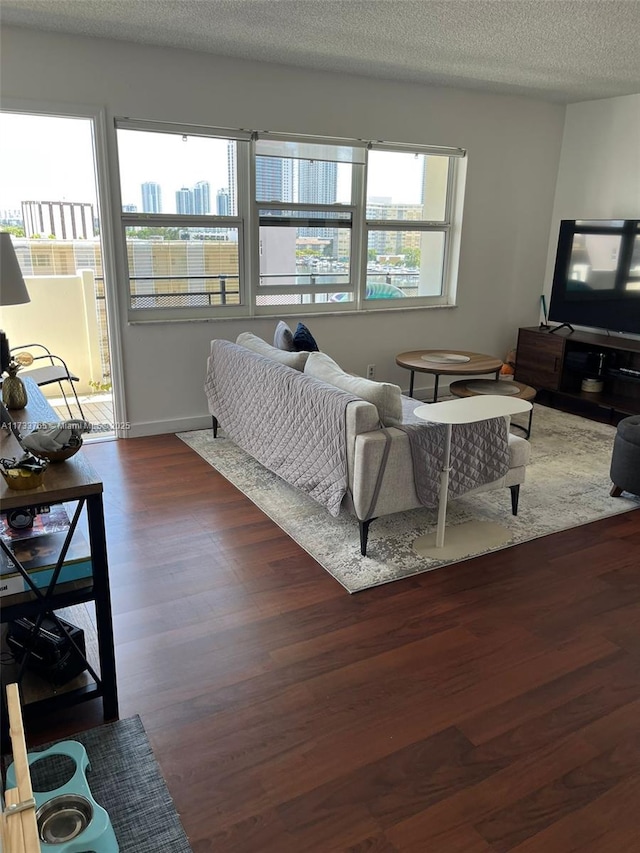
126	780
567	484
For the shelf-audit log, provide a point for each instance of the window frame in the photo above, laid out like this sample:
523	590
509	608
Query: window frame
248	222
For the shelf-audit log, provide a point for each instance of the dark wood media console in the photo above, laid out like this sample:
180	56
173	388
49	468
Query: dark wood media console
558	362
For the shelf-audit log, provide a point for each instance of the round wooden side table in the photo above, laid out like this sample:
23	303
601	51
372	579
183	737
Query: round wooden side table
472	387
443	362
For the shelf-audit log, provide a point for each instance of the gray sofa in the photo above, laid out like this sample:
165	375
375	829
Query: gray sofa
335	445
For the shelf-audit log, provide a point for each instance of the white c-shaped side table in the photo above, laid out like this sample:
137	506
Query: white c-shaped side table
466	410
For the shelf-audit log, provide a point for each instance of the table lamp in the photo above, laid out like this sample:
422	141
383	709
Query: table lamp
13	290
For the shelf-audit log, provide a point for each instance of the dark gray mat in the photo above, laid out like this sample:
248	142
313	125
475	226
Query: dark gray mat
126	780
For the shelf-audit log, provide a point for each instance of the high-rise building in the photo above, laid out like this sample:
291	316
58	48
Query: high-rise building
269	184
66	220
223	202
202	198
151	197
130	208
184	200
317	182
232	173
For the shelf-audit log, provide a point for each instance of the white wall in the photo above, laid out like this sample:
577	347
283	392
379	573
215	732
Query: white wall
76	338
513	144
599	175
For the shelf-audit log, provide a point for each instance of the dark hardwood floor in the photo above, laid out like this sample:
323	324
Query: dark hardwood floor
491	706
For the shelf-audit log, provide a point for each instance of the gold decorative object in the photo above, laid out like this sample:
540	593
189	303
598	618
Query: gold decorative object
14	394
17	478
24	359
24	473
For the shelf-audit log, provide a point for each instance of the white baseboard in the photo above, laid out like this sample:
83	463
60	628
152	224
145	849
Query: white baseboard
173	425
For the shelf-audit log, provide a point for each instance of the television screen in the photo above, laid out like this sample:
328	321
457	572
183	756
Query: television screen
596	281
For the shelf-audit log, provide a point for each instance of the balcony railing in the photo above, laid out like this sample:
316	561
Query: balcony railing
225	294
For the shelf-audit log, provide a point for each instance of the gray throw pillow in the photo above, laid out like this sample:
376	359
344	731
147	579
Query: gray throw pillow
255	344
386	397
283	337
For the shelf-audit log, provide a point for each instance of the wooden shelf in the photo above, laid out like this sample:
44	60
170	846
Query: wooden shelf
558	362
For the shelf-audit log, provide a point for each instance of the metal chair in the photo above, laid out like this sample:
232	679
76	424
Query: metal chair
54	370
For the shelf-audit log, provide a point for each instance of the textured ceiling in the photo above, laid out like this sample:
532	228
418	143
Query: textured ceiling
559	50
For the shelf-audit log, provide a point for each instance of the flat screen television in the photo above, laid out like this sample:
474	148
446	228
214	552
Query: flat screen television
596	280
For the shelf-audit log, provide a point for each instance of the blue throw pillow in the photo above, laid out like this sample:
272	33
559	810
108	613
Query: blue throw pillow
303	340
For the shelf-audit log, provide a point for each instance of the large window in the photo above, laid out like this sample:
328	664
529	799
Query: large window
226	223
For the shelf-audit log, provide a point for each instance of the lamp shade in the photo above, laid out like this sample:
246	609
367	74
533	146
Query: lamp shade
13	290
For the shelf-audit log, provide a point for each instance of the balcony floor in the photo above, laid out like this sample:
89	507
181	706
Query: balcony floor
97	408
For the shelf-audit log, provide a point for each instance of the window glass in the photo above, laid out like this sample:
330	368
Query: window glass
315	261
407	186
329	224
182	267
176	173
302	181
404	263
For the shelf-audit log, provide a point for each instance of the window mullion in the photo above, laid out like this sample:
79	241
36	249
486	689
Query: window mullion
359	234
245	181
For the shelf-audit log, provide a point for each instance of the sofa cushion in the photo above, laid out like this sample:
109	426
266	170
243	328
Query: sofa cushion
255	344
283	337
384	396
304	340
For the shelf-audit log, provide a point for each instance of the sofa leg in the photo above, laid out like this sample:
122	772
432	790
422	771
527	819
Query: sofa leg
364	535
616	491
214	426
515	494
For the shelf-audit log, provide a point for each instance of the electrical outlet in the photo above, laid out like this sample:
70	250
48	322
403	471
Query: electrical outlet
371	371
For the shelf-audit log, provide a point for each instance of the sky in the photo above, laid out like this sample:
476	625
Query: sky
46	158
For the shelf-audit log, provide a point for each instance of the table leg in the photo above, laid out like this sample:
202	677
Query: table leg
526	430
102	597
435	388
411	384
444	488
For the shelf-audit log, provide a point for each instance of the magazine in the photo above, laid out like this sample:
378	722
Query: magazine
37	550
44	522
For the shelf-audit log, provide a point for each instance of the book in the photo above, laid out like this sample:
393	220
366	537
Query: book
37	550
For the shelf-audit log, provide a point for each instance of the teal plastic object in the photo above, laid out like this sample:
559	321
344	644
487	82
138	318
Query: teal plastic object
98	836
374	291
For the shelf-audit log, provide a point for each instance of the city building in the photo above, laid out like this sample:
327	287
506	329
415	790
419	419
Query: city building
151	197
269	183
202	198
223	202
317	182
11	217
232	176
184	200
194	200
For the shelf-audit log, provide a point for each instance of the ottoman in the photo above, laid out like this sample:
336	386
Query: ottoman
625	460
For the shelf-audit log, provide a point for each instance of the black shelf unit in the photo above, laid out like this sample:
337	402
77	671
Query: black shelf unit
71	482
